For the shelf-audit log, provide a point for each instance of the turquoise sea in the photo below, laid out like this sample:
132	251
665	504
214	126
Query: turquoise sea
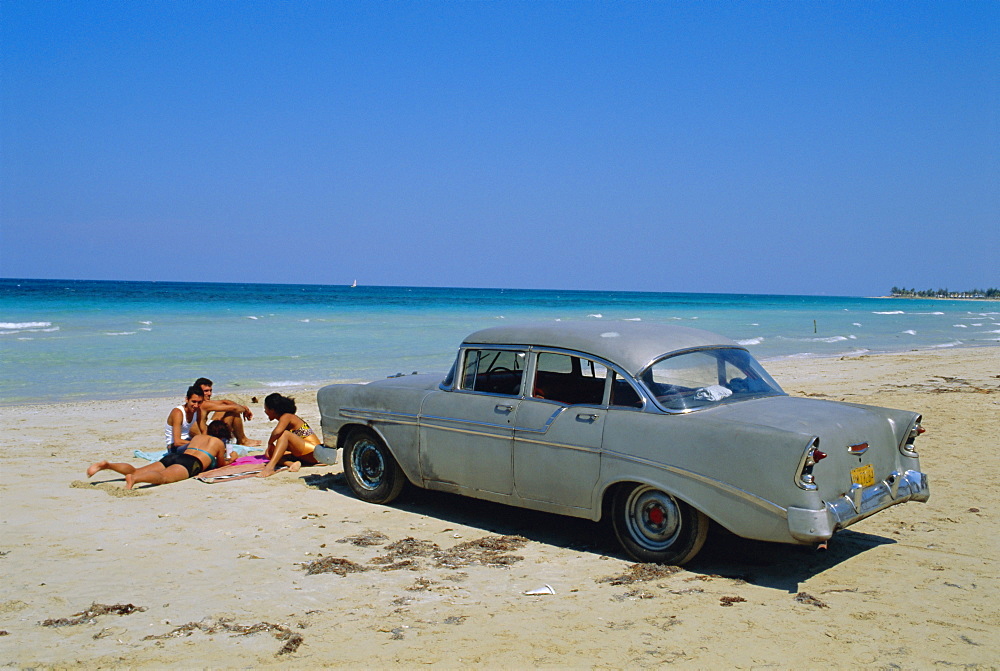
66	340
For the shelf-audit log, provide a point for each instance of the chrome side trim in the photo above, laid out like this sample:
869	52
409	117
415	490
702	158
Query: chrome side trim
561	409
379	415
565	446
769	506
422	421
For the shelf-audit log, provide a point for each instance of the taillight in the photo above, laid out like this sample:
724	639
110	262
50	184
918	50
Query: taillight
907	447
812	456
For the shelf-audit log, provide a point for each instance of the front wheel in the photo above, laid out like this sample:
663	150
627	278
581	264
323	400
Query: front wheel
653	526
371	471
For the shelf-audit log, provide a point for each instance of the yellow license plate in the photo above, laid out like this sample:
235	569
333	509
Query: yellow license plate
863	475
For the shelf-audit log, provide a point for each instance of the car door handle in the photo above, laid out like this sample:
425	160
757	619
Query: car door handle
588	417
505	408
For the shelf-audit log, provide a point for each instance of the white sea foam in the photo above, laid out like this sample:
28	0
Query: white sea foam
750	341
120	333
996	331
50	329
948	344
25	338
304	321
24	325
293	383
145	328
754	324
928	313
597	316
856	324
633	319
961	326
891	312
857	352
147	323
853	337
252	317
910	332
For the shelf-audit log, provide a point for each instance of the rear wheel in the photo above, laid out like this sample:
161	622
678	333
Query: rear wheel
371	471
653	526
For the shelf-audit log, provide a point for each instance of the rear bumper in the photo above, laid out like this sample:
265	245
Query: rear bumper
813	526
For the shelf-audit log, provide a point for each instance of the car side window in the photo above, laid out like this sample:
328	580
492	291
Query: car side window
569	379
623	394
493	371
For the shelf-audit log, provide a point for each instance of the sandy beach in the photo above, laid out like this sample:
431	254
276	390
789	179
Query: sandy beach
294	571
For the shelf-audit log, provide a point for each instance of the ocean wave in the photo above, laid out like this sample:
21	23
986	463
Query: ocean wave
961	326
24	325
909	332
857	352
120	333
996	331
597	315
293	383
750	341
633	319
856	324
830	339
954	343
891	312
48	330
928	313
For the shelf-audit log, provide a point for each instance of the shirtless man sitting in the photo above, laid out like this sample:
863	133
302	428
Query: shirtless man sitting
229	412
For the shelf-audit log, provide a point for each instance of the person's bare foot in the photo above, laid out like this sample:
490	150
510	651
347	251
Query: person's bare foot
129	482
265	472
246	442
94	468
294	466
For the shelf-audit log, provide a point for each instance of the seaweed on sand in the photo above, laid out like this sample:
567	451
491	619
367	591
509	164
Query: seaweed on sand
641	573
89	616
487	551
336	565
209	626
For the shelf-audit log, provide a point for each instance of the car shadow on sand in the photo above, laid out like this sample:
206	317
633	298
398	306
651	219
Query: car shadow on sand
772	565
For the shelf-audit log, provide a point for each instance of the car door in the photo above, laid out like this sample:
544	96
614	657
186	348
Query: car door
558	430
466	433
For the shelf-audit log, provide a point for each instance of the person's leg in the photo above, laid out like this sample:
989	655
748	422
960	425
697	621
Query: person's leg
157	474
300	449
104	465
234	421
276	454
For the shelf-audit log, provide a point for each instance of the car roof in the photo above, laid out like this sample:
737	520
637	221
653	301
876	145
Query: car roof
631	345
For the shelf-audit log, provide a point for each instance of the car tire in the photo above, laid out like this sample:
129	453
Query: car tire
371	471
653	526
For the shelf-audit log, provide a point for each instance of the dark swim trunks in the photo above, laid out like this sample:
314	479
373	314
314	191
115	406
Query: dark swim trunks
191	463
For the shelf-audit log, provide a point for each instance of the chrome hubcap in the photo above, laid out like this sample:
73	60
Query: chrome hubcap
368	464
653	518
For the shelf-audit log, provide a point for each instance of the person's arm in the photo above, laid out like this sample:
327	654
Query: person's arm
176	419
224	458
223	405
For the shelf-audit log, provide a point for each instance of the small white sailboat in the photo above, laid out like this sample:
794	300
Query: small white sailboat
355	284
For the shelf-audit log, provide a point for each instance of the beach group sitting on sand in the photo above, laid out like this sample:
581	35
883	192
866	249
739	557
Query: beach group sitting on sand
195	444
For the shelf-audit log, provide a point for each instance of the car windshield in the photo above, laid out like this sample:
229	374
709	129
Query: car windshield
700	378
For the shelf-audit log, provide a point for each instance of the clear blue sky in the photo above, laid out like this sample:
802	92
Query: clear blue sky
778	147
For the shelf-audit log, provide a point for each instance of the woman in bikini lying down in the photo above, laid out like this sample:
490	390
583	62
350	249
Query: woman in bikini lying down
292	440
203	453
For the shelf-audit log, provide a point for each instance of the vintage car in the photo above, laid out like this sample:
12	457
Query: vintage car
659	428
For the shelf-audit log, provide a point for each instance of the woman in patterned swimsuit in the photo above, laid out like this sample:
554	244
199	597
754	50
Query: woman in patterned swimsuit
291	440
204	452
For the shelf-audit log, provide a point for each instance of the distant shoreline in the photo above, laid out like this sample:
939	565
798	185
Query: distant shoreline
944	298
